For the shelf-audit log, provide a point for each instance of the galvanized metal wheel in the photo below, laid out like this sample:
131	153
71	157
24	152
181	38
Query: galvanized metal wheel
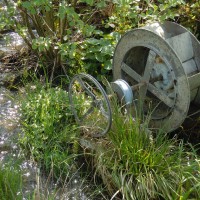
151	59
124	94
90	105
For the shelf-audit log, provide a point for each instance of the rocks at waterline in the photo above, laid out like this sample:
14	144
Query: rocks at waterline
15	59
14	65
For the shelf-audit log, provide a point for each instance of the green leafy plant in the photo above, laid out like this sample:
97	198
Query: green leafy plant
129	14
58	25
189	16
73	36
48	130
97	55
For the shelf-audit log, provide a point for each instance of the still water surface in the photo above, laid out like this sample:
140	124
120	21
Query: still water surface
10	152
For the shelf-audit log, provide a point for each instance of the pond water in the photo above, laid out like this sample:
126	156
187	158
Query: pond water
9	123
10	151
11	39
9	131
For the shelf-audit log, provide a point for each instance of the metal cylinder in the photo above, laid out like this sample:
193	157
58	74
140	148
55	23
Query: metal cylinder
166	57
187	48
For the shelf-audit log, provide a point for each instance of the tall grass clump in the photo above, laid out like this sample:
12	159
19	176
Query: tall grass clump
10	183
49	134
51	138
138	165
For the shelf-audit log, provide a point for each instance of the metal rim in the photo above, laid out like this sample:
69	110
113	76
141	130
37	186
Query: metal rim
155	45
124	94
90	105
125	90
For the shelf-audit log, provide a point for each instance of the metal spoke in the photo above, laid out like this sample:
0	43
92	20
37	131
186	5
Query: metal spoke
89	92
104	113
146	85
160	95
149	65
147	74
88	112
93	112
128	70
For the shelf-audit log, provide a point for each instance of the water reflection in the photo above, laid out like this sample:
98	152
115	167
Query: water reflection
33	180
9	115
9	130
11	39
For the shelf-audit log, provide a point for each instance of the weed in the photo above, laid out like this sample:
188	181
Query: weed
49	134
133	162
138	165
10	183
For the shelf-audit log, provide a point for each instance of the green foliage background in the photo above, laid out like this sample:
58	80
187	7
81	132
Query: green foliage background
80	35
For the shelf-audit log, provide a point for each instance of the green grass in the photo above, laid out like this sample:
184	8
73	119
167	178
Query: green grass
49	134
135	164
10	183
51	137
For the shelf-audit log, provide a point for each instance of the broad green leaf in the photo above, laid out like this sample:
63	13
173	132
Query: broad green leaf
99	57
92	41
108	64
